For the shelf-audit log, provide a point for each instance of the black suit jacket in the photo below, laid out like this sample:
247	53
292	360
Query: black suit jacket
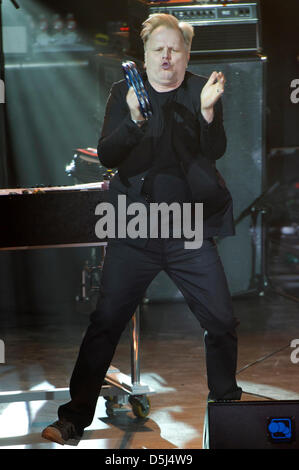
125	146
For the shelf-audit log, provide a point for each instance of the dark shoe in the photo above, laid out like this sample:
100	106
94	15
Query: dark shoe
232	396
61	431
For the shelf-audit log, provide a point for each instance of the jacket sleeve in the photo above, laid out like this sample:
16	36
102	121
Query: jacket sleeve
212	135
119	133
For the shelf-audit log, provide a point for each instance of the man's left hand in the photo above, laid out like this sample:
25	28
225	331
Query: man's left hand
211	92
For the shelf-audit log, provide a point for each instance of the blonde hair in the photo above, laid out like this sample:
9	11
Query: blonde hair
163	19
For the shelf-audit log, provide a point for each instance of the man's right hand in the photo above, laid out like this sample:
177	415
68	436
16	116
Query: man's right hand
134	106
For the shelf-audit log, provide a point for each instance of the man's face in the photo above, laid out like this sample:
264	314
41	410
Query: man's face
166	58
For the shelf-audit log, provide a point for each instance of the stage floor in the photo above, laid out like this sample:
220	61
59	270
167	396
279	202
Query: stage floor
40	354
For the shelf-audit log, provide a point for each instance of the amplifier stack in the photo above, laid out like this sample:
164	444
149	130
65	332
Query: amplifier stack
220	28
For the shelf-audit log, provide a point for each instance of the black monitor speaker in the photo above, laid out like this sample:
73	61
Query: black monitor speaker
252	425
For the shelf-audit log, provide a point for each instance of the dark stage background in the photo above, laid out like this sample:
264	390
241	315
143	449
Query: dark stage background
55	98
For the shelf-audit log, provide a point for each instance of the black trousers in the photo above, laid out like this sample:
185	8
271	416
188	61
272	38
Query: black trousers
127	272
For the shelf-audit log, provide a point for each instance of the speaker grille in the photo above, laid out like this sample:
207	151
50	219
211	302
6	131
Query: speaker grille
228	37
243	164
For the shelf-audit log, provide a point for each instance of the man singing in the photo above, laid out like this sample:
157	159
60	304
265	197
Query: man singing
168	158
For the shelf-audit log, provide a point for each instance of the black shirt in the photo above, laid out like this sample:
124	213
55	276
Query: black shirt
165	181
